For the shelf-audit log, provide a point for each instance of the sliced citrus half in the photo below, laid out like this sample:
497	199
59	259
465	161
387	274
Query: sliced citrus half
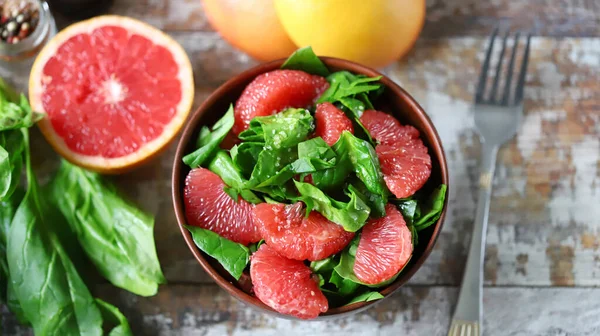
115	92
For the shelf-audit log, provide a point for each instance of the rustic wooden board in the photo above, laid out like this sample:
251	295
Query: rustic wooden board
444	17
544	222
544	229
543	225
413	311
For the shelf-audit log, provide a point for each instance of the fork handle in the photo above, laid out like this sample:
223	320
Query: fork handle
470	296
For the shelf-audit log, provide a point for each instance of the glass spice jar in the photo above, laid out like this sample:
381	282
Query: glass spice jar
25	27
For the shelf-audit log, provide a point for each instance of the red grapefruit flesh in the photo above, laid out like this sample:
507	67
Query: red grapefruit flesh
331	122
286	285
274	91
384	248
403	157
209	207
288	232
115	91
386	129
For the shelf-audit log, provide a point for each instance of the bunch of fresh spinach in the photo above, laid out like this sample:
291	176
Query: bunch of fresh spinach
42	230
277	154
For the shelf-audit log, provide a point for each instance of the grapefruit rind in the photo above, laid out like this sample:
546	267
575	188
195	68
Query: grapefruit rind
148	150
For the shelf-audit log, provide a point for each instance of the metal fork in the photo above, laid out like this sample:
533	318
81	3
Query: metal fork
497	119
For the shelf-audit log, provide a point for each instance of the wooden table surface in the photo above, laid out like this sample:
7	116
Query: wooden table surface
542	269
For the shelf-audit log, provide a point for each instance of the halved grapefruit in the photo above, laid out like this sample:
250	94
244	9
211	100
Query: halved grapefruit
115	91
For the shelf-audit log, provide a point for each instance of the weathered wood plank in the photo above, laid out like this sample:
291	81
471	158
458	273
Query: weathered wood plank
544	226
207	310
444	17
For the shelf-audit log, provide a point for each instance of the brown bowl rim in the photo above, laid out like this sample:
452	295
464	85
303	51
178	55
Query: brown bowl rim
239	79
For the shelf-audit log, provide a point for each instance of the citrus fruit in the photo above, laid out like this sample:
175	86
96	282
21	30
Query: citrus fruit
251	26
115	91
403	157
386	129
286	285
331	122
209	207
274	91
374	32
384	248
286	230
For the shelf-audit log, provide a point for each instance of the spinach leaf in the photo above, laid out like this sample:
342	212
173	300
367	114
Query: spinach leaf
323	266
366	297
15	111
352	215
254	133
312	155
223	166
118	324
346	84
375	201
431	210
345	287
271	168
280	193
12	145
254	247
363	159
115	235
409	208
8	209
305	59
353	155
50	291
245	156
285	129
356	108
14	305
209	141
233	256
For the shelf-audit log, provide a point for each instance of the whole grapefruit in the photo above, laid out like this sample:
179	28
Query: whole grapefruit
373	32
251	26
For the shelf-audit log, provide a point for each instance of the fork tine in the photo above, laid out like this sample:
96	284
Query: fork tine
511	64
498	69
521	83
484	68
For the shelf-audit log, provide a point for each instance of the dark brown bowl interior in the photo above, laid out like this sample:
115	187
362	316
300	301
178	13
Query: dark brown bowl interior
394	100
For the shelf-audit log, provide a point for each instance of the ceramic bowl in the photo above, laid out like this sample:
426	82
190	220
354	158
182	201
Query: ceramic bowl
394	100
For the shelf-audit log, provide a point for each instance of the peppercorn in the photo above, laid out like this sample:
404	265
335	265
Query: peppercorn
16	24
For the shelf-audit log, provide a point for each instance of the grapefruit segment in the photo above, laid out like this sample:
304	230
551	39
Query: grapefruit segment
403	157
386	129
209	207
286	285
384	248
115	91
275	91
331	122
288	232
405	168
